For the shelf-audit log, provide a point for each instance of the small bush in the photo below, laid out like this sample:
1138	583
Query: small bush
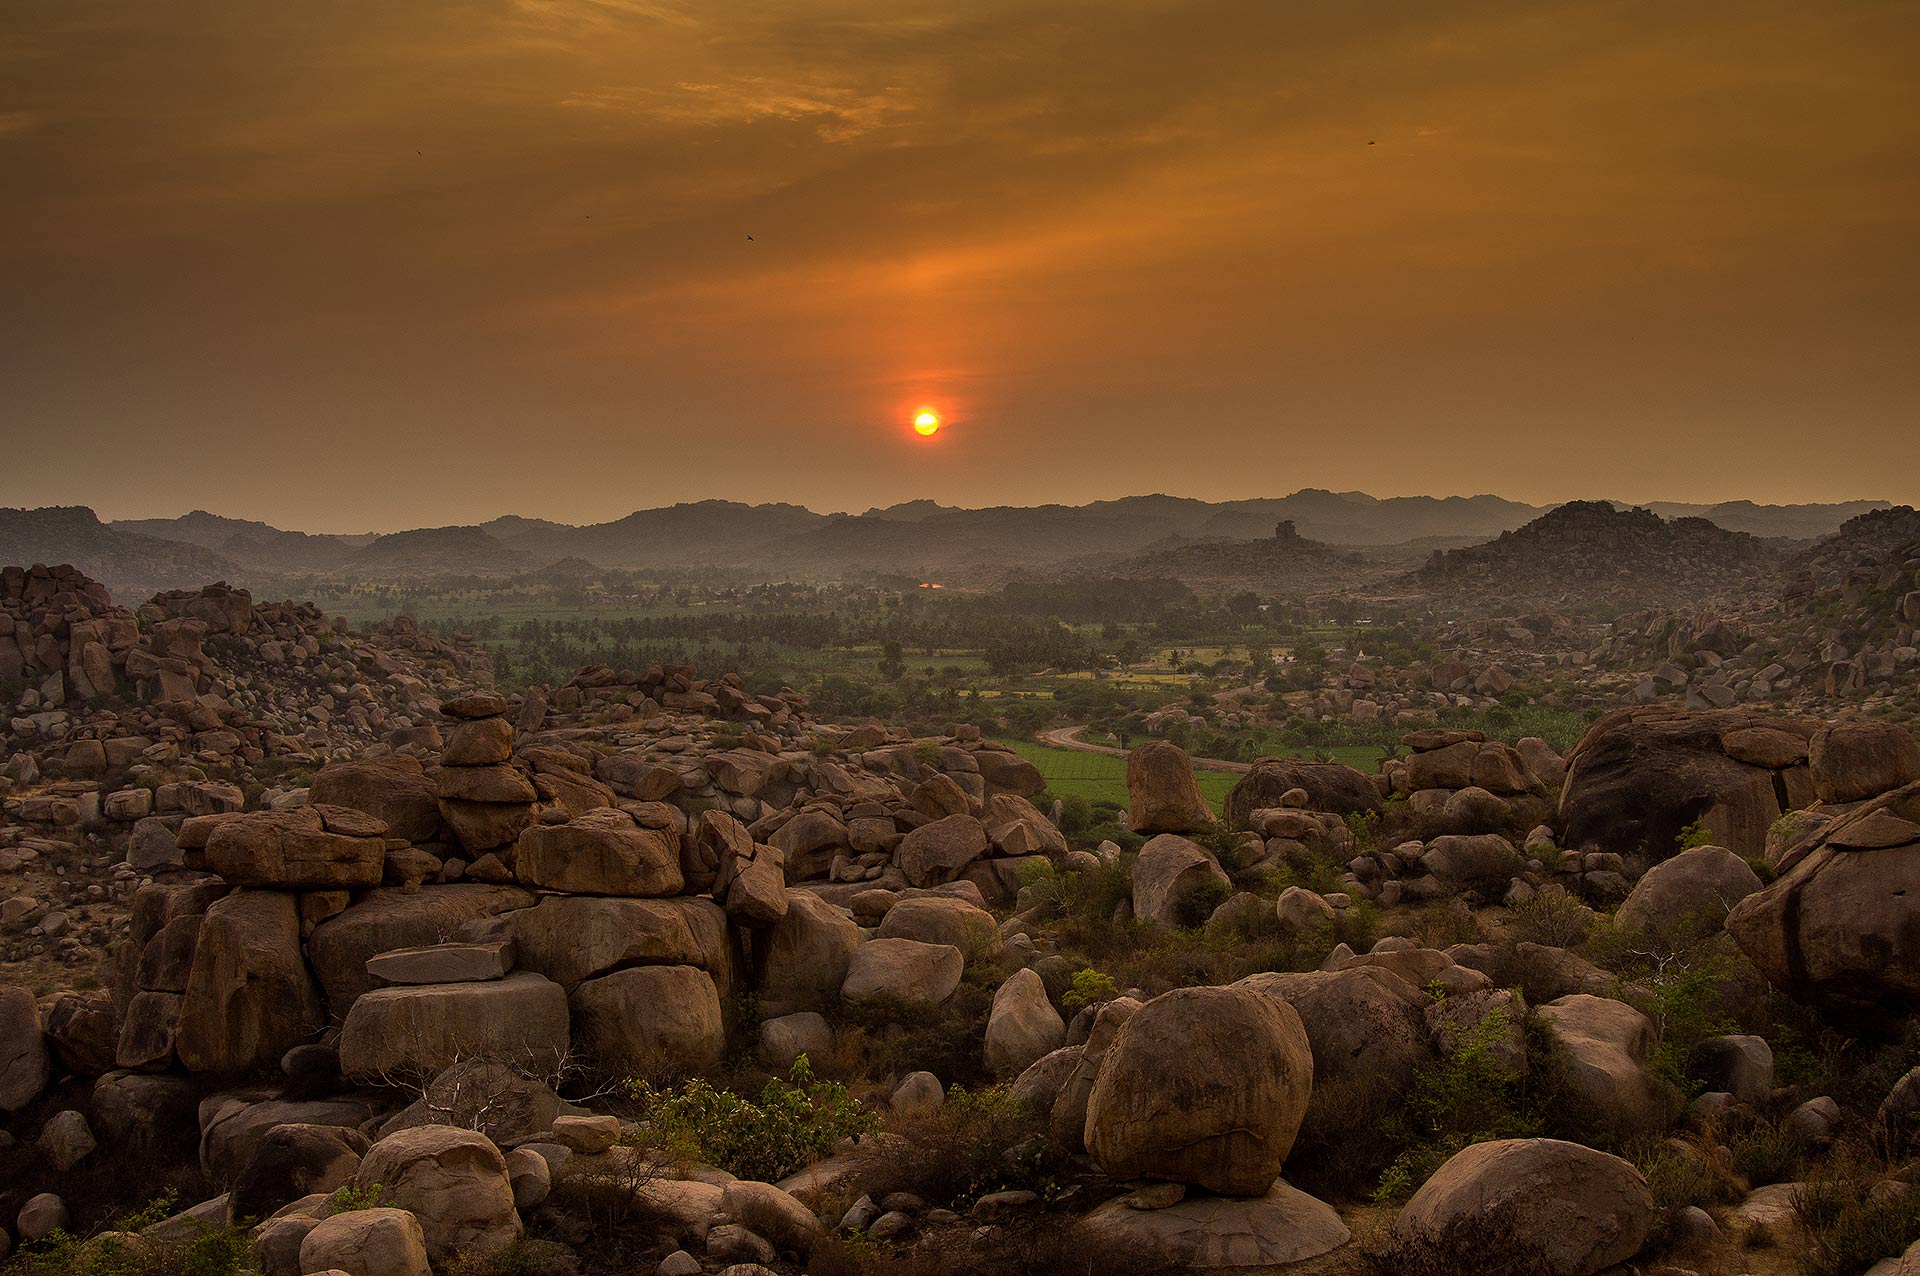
527	1256
1445	923
978	1141
1763	1153
348	1198
1850	1226
1553	917
1692	835
1090	988
1201	901
1680	1174
791	1124
1466	1097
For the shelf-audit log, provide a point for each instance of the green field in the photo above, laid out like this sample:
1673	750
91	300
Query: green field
1099	778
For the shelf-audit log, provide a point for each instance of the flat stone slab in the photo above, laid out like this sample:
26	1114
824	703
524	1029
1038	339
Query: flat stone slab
1223	1233
410	1032
443	963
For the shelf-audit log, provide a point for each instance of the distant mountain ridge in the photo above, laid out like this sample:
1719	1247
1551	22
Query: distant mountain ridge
920	538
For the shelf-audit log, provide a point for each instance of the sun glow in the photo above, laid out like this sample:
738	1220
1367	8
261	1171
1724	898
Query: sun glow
926	421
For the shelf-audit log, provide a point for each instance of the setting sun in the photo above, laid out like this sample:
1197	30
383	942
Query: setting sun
926	421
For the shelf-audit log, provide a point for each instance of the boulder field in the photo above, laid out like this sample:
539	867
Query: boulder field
648	966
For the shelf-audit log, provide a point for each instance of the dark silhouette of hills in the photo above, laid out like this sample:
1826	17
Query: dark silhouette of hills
1212	540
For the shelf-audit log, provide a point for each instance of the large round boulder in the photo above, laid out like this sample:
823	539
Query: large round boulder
1205	1086
937	852
1330	786
650	1021
1368	1033
454	1181
903	971
1600	1053
1022	1026
934	920
295	1160
1688	897
802	961
1162	795
375	1242
1543	1205
1170	871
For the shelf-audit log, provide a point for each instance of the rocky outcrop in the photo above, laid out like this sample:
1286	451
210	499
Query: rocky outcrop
1330	786
1840	926
413	1032
249	997
1639	777
23	1050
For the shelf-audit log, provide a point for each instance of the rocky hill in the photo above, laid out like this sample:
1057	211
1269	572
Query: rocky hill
130	562
1839	630
1282	565
254	545
435	551
1586	555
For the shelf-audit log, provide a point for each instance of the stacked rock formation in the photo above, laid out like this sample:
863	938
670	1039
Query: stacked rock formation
484	800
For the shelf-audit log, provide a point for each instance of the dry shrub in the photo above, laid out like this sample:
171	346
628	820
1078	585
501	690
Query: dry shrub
527	1256
1487	1243
1047	1245
978	1141
1850	1220
1553	917
1444	923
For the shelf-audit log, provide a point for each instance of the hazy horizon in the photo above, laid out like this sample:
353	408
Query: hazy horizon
483	518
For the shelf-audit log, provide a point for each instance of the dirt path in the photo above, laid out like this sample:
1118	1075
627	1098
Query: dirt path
1069	738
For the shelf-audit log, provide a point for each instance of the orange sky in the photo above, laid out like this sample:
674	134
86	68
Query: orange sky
365	264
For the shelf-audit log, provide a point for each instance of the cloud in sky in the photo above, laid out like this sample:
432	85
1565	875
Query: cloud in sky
366	264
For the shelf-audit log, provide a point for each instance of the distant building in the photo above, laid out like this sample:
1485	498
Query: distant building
1284	532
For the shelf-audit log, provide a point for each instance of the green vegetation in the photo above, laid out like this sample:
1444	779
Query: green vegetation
209	1250
978	1141
1477	1091
348	1198
790	1124
1097	777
